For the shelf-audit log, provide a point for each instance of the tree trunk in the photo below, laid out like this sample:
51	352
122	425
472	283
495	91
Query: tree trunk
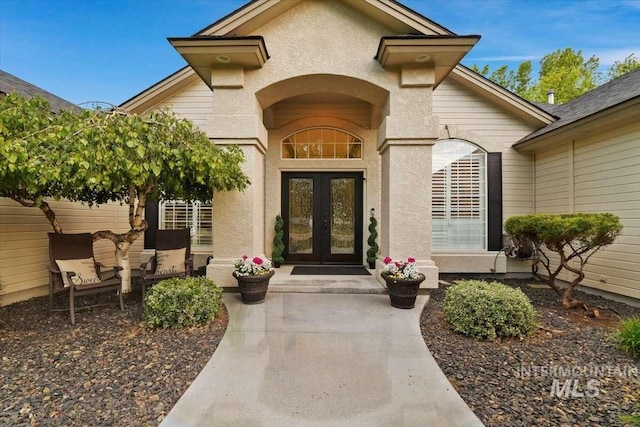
122	259
123	244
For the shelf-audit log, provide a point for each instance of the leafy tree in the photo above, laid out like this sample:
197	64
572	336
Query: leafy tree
619	68
97	156
568	73
518	82
574	238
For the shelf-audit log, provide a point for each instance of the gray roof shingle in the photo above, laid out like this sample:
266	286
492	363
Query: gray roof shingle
10	83
617	91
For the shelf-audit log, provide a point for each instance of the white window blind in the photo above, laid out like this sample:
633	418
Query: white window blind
458	196
193	215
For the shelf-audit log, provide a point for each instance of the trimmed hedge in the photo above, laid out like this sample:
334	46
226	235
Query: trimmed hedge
179	302
488	310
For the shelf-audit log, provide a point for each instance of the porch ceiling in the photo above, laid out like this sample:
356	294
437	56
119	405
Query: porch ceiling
319	105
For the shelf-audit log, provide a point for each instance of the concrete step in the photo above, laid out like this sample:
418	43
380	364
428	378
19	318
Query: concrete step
326	284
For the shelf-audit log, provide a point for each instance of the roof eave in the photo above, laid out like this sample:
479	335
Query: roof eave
603	120
501	96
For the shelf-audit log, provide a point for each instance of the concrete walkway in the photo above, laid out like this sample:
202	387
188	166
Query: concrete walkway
305	359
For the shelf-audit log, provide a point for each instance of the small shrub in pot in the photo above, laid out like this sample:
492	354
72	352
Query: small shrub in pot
488	310
179	302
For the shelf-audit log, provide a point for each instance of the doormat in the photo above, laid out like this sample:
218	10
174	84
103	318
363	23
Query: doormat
322	270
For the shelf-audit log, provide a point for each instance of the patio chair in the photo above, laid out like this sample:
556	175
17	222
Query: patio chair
73	269
173	258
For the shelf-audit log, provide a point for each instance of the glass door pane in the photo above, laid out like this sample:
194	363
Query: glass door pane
343	216
300	215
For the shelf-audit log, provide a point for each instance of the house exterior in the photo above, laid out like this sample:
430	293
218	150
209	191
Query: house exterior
351	108
589	161
24	245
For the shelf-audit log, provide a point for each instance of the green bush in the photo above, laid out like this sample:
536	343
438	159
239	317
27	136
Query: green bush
627	337
180	302
486	310
278	241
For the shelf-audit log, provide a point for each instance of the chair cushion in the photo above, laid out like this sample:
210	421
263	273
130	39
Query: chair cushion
170	261
85	270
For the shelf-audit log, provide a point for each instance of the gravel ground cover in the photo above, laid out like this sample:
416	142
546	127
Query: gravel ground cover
511	382
107	370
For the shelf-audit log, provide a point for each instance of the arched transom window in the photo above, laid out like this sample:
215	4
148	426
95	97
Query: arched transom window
459	196
321	143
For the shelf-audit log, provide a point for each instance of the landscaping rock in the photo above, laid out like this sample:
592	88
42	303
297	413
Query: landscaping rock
106	370
512	382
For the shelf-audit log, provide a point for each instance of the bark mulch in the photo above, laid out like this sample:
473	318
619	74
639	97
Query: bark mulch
106	370
511	382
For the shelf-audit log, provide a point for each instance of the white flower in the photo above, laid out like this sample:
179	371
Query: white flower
401	269
255	266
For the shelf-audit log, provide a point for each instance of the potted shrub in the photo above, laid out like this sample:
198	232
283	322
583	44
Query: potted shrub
253	276
403	281
278	243
372	252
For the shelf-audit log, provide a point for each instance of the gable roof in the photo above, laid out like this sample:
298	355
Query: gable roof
10	83
616	92
395	15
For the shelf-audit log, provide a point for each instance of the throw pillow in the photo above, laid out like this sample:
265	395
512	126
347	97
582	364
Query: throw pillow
170	261
85	270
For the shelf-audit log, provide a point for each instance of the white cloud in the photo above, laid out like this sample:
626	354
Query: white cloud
608	57
505	58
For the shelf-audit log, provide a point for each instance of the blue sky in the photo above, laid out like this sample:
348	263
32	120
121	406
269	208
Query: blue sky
110	50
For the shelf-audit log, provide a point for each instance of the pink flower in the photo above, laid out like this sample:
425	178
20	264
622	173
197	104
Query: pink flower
411	260
244	257
387	260
258	261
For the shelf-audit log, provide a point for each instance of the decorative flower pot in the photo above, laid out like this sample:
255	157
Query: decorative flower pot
372	265
253	289
403	292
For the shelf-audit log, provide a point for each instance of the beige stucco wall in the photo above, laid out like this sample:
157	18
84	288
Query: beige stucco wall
333	52
335	47
24	245
598	173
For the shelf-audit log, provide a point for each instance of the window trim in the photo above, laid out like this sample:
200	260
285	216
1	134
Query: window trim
358	140
194	224
483	209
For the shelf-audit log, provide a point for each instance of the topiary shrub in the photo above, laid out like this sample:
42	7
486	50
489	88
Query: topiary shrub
178	302
372	252
278	242
627	337
488	310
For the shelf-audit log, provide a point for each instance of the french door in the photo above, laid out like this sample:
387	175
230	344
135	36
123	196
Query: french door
322	213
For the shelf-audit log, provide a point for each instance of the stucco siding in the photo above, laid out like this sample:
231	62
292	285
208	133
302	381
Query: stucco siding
24	250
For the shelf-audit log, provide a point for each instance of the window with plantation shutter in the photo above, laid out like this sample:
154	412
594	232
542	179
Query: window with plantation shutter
458	196
194	215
